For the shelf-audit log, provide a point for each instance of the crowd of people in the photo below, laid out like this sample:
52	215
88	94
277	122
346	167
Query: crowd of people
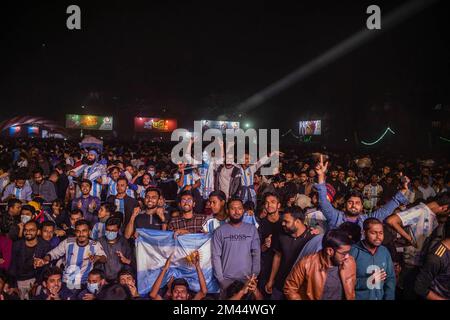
322	227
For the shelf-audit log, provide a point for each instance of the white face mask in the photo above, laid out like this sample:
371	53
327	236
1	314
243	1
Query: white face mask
24	219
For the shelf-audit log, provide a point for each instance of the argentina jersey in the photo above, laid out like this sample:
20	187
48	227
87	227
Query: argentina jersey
120	205
112	187
96	189
98	231
189	179
77	263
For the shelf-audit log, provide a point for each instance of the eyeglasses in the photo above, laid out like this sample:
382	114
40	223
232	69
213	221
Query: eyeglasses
345	253
186	201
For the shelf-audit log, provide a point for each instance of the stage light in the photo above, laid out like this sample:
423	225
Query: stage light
247	125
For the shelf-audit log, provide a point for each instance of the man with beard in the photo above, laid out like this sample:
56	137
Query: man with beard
236	248
287	247
43	188
188	222
327	275
81	256
92	171
354	202
227	178
375	276
152	218
305	186
269	229
335	182
111	181
22	259
140	188
123	202
87	203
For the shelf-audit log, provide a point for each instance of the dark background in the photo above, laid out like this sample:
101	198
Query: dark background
193	60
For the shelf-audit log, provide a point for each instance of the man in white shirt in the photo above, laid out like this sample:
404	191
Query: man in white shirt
426	189
372	192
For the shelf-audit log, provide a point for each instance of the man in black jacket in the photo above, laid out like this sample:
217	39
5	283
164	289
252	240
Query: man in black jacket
227	178
63	182
24	252
433	283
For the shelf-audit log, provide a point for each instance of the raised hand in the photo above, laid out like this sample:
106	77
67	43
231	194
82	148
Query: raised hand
136	212
321	169
196	258
122	257
168	261
160	213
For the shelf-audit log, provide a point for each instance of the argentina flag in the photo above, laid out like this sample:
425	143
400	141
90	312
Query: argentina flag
153	247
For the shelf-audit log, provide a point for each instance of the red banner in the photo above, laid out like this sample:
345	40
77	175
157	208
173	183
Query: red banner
142	124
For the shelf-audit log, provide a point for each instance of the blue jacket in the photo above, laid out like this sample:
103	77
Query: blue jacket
336	217
366	264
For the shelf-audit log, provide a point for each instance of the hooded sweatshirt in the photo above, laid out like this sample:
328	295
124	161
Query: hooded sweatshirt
366	264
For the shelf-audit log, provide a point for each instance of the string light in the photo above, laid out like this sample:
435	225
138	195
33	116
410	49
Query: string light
379	139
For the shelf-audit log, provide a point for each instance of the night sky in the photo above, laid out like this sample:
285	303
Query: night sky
195	58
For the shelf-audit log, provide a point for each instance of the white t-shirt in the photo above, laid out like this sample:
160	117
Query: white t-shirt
225	179
427	192
421	222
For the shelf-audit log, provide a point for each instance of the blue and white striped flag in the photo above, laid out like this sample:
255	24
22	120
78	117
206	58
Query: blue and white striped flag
153	247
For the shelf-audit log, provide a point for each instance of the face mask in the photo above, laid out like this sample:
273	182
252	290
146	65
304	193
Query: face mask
111	235
151	172
24	219
92	287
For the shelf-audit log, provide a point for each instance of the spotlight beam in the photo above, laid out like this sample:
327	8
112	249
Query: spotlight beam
339	50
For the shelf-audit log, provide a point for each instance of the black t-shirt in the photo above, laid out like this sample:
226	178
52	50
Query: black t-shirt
26	271
290	248
147	221
265	229
301	189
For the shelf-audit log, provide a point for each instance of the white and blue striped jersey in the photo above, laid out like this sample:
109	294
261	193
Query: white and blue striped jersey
247	183
98	231
189	179
112	188
92	173
77	263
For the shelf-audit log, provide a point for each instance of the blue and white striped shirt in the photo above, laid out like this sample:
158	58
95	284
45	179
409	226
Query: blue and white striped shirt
98	231
77	263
